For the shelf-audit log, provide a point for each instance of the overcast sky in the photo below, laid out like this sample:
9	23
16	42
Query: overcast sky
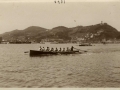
20	15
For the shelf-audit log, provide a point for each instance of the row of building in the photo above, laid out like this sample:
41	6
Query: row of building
58	41
13	42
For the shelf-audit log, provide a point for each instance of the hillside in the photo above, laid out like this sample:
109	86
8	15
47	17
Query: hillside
61	32
98	31
30	32
92	32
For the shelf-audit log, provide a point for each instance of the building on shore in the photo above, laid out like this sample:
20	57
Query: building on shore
52	41
4	42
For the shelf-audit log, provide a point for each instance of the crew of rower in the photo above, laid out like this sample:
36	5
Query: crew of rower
56	49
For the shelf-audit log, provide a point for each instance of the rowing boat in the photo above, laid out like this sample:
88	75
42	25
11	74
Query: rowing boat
85	44
36	52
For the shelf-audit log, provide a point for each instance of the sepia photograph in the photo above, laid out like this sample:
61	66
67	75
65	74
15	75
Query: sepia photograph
59	44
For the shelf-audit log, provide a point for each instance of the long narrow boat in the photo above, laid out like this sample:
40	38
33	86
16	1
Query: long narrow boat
36	52
85	44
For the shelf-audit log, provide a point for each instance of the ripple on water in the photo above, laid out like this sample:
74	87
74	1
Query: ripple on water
99	67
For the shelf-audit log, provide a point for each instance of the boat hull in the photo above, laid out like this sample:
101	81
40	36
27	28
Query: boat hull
86	44
36	53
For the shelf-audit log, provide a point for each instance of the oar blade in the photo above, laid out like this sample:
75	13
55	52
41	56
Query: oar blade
26	52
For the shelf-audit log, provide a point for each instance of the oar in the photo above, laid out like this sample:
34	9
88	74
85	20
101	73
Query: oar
80	50
83	50
26	52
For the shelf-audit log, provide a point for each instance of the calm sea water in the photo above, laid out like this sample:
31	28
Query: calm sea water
99	67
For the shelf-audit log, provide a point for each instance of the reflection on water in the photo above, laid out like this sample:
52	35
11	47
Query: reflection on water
99	67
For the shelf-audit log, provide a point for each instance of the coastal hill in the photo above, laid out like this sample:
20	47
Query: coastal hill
96	32
92	32
31	32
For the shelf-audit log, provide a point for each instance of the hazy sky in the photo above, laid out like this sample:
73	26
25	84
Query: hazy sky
20	15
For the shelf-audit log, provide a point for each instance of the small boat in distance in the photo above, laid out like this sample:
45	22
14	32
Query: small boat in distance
85	44
37	53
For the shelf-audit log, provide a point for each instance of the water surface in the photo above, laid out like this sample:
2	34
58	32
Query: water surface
99	67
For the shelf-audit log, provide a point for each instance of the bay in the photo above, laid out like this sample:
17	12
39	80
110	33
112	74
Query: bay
99	67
